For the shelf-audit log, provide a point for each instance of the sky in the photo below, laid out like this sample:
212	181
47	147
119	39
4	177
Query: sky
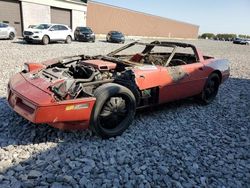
215	16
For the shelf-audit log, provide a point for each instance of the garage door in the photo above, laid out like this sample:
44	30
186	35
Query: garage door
61	16
10	13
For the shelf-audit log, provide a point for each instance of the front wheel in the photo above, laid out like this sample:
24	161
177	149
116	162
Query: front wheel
210	89
114	110
45	40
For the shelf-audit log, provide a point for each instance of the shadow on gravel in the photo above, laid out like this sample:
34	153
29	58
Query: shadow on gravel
22	132
23	42
198	153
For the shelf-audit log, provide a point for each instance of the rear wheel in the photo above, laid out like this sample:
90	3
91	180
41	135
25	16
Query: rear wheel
45	40
68	40
11	35
210	89
114	110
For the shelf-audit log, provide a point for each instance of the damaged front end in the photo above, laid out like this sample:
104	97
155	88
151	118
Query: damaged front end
79	78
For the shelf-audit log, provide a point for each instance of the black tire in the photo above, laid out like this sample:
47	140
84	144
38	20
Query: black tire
45	40
114	110
12	35
210	89
68	40
93	40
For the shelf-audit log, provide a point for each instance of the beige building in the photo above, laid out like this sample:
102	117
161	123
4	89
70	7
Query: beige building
22	13
103	18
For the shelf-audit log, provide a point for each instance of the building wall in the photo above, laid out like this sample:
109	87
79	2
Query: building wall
66	4
78	18
35	13
39	11
103	18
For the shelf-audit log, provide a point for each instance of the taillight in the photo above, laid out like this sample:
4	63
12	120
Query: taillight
29	67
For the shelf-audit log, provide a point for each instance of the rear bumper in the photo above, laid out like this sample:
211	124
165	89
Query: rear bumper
118	40
74	114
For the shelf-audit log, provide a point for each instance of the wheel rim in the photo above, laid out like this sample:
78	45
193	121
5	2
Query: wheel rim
211	89
68	39
114	112
46	40
12	36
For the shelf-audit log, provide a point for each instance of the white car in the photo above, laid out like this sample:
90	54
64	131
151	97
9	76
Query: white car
46	33
7	32
245	41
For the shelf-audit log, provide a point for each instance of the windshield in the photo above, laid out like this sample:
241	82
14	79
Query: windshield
116	33
43	26
85	29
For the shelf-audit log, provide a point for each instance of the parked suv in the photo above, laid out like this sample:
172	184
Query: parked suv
46	33
7	32
115	36
84	34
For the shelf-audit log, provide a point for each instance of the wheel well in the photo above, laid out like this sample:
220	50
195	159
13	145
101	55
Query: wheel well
218	73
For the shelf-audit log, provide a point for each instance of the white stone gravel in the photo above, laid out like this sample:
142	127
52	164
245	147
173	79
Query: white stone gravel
181	144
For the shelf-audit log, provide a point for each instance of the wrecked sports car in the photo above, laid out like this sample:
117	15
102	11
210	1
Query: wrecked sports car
103	92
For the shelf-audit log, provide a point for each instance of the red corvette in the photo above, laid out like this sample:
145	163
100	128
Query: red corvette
103	92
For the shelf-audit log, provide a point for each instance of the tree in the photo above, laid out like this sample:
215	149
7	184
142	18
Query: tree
207	36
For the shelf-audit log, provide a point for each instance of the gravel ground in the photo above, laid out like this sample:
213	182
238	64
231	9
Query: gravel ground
181	144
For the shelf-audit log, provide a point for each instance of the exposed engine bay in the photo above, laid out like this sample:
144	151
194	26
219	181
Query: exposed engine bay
79	78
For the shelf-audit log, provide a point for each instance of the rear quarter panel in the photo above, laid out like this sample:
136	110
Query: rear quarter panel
221	65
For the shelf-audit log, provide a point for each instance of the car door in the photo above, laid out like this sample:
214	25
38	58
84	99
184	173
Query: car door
64	32
187	79
54	33
182	81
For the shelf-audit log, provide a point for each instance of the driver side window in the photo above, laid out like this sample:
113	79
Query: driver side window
54	28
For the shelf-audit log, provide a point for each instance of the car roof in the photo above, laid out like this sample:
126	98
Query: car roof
52	24
83	27
115	32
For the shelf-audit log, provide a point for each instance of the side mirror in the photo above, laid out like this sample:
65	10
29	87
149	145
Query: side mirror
52	29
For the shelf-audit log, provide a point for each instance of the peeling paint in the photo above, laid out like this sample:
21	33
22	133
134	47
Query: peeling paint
177	73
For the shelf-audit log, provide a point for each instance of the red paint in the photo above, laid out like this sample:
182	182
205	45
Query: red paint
100	64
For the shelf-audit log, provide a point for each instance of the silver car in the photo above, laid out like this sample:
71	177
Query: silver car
7	32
